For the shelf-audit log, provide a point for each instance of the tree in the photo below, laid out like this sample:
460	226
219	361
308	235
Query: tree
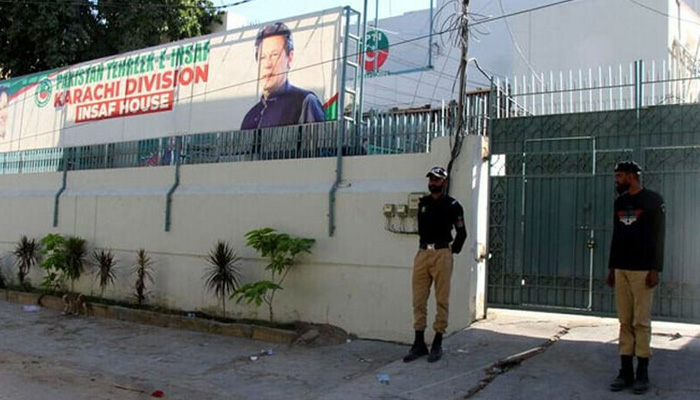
54	261
130	25
37	36
41	35
222	276
281	251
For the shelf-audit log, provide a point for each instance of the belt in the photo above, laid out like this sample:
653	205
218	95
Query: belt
434	246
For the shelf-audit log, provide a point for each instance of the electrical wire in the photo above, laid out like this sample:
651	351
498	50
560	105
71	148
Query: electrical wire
517	46
313	65
694	22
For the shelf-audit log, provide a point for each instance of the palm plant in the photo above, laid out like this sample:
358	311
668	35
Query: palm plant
105	262
76	252
27	253
142	270
222	277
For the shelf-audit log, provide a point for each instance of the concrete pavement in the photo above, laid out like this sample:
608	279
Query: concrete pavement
511	355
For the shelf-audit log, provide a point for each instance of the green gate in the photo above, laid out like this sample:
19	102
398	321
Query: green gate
552	194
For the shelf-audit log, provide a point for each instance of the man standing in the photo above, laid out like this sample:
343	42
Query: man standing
438	213
281	102
636	259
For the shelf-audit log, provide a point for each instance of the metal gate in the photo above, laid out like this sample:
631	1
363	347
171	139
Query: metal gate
554	272
552	195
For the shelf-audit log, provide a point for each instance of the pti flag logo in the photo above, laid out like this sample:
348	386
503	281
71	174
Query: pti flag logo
377	50
42	95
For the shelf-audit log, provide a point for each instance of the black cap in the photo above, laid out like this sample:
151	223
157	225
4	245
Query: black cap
628	166
437	172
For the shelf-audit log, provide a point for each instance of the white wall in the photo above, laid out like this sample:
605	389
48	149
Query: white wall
359	279
571	36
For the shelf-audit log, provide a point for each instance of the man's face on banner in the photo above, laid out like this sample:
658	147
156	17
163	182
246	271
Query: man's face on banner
4	100
274	63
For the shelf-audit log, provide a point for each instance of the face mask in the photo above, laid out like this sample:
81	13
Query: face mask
435	188
622	188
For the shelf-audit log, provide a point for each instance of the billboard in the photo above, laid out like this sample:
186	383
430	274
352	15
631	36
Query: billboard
281	73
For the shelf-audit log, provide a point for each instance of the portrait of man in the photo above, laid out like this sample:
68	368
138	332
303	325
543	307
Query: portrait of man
4	105
281	102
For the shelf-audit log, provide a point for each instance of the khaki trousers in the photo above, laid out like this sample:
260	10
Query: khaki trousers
633	300
431	266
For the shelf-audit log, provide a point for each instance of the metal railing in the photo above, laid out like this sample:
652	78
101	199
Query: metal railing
636	85
380	133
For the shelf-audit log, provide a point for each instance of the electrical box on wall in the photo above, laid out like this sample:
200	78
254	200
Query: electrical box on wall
389	210
402	210
413	201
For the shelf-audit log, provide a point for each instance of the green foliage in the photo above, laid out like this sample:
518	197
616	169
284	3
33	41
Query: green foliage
151	23
38	36
222	276
143	272
27	253
281	250
105	262
76	251
256	292
54	261
63	258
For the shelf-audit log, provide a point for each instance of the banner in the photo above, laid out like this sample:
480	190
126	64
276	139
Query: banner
280	73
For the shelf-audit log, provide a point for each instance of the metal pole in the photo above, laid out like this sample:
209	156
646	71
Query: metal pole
176	183
64	178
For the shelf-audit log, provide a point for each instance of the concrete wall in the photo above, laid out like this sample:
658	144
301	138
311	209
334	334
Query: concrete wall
570	36
358	279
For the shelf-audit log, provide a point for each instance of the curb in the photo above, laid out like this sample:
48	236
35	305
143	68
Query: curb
145	317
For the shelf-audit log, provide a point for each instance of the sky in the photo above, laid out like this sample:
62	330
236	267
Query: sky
260	11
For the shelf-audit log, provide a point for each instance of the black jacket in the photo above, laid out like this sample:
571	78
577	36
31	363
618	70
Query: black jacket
436	218
638	232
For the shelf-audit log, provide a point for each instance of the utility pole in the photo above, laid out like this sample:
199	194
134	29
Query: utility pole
464	41
463	30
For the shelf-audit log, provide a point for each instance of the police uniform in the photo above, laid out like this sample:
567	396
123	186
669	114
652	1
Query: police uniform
433	263
436	218
636	250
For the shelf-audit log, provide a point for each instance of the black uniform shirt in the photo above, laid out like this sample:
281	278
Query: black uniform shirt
638	232
436	219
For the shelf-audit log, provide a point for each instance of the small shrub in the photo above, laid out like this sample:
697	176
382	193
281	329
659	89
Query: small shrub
142	270
106	265
222	276
27	253
76	252
281	251
54	261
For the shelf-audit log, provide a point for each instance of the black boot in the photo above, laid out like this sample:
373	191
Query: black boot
641	381
626	376
419	349
436	348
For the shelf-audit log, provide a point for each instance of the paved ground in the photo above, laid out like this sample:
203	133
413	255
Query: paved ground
46	355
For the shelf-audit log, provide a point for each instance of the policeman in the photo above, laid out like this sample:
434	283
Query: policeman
438	213
636	260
